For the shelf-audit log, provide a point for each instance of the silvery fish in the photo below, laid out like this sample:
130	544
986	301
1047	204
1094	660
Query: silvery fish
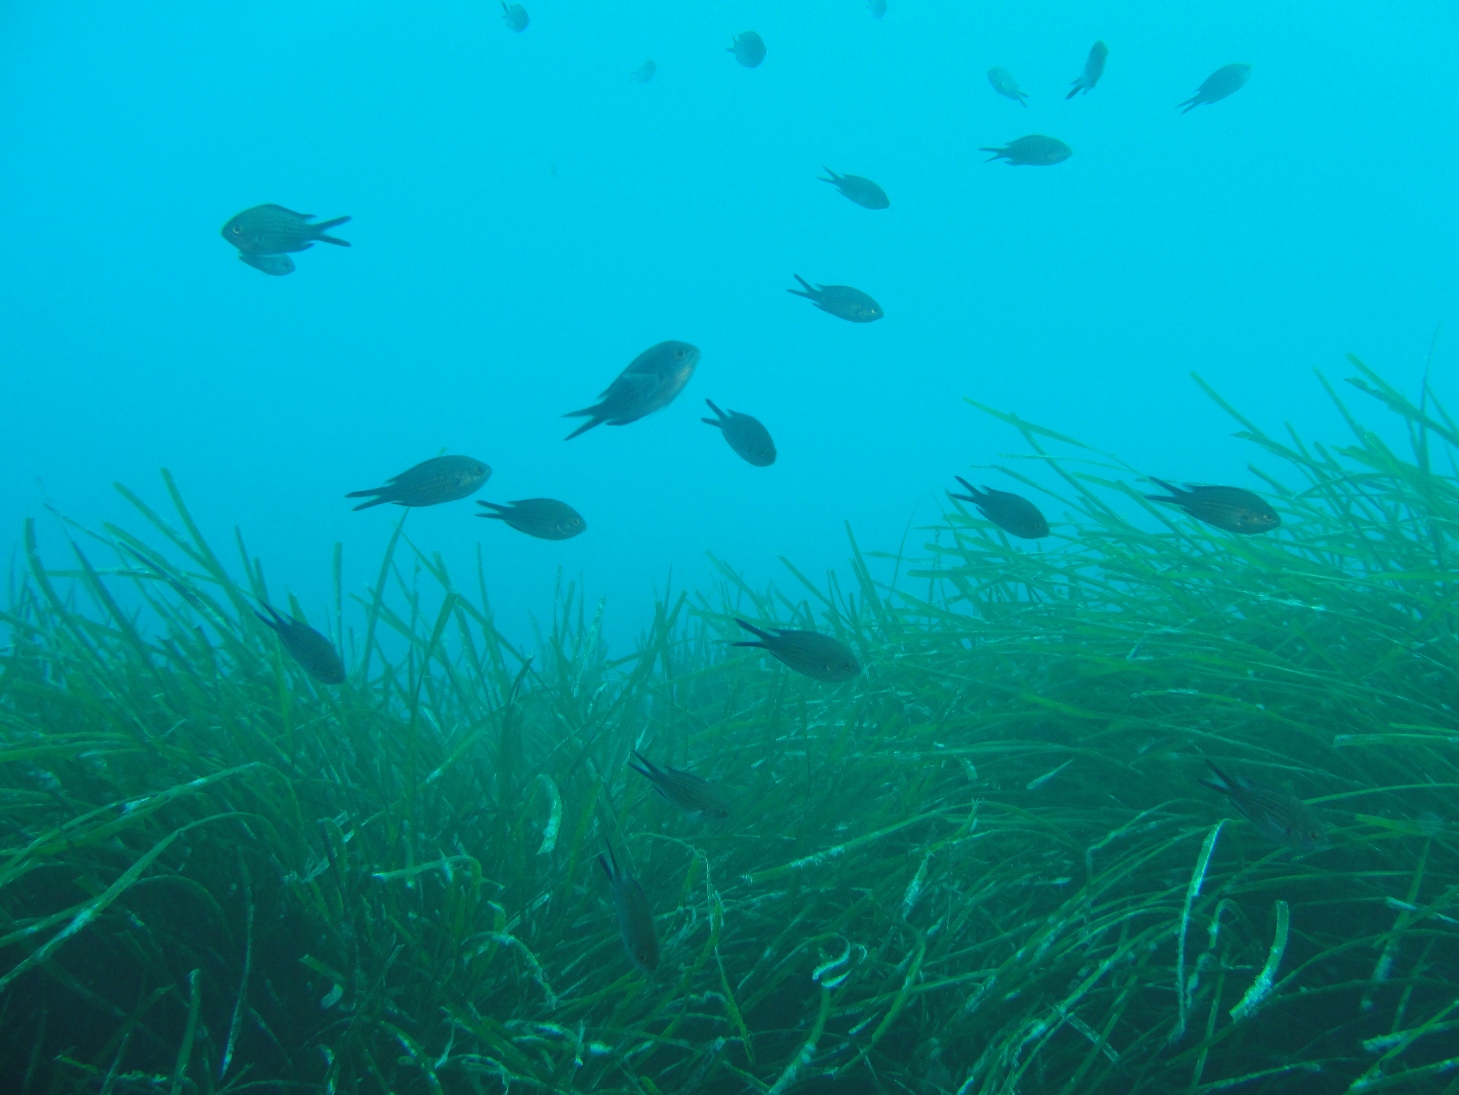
1226	80
1093	70
544	518
684	789
807	652
1013	513
274	230
863	192
314	652
429	483
273	265
1229	508
745	434
635	918
841	301
749	49
650	382
515	16
1035	150
1276	814
1005	85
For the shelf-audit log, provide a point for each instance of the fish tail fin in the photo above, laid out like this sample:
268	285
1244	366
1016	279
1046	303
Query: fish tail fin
321	229
1223	783
1172	493
753	630
273	619
1189	105
716	410
1075	88
833	180
973	495
498	512
594	418
378	500
608	864
1023	99
809	293
648	768
998	153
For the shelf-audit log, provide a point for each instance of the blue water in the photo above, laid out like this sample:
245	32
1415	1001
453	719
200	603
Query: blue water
527	220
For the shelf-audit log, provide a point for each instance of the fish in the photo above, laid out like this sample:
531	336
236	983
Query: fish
274	230
745	434
635	918
1035	150
841	301
878	8
807	652
863	192
749	49
1226	80
1277	815
429	483
684	789
1005	85
544	518
643	73
650	382
1093	70
1013	513
1229	508
515	16
276	265
314	652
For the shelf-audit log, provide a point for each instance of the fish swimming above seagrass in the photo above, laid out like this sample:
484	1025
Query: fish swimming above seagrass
841	301
1276	814
684	789
745	434
635	918
1093	70
863	192
650	383
1005	85
1229	508
749	49
807	652
274	230
544	518
429	483
1013	513
314	652
515	16
1035	150
1226	80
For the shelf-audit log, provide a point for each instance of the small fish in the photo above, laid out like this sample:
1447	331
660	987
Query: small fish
807	652
1229	508
1013	513
745	435
274	230
863	192
841	301
643	73
276	265
429	483
1035	150
635	918
515	16
650	382
1226	80
314	653
1093	70
1005	85
685	790
878	8
1276	814
544	518
749	49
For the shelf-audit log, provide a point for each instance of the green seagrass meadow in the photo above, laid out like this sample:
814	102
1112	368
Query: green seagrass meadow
986	865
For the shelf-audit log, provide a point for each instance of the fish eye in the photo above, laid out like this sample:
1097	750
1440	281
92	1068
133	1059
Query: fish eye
238	229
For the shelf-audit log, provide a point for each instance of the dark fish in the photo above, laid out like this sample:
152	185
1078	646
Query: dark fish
1276	814
686	791
1229	508
807	652
429	483
863	192
1035	150
1093	70
643	73
878	8
274	230
745	435
314	653
277	265
650	382
1013	513
635	918
1226	80
1005	85
515	16
749	49
841	301
544	518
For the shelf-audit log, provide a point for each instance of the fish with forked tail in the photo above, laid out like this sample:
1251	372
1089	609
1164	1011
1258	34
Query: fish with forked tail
807	652
635	917
1229	508
429	483
1277	815
650	383
314	652
274	230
